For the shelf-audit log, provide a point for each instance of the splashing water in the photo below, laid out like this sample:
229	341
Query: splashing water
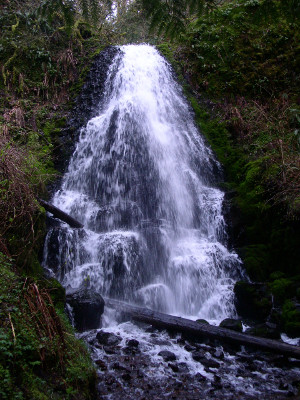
143	182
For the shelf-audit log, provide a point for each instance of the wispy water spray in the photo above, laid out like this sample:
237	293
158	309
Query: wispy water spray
143	182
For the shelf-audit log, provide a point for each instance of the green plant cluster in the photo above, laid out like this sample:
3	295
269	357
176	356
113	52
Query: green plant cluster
244	48
45	51
39	355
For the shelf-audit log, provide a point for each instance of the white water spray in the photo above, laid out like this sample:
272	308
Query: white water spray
142	181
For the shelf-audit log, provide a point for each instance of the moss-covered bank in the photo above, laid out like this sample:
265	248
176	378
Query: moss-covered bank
40	357
264	231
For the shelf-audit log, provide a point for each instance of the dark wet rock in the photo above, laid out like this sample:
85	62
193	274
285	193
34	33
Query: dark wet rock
250	366
232	324
167	355
291	391
200	377
133	343
131	350
183	367
252	300
87	306
266	330
209	363
86	107
240	371
244	357
202	321
108	338
126	377
217	382
161	342
101	364
174	367
109	349
219	354
188	347
198	355
120	366
180	340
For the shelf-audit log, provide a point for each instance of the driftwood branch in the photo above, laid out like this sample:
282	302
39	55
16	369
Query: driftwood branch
57	213
198	329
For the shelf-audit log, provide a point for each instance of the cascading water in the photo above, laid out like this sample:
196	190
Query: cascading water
143	183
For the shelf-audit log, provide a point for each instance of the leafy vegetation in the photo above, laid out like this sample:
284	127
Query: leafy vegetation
46	48
240	60
39	358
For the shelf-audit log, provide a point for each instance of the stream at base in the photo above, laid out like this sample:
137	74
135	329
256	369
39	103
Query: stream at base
139	362
145	185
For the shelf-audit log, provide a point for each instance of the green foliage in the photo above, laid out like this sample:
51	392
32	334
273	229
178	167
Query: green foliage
245	48
280	288
171	17
291	319
39	355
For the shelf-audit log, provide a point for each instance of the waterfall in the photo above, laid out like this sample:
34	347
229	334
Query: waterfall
144	184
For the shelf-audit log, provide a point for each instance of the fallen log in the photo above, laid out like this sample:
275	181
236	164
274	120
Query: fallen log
57	213
198	329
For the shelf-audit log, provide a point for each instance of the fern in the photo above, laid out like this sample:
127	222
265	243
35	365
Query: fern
170	16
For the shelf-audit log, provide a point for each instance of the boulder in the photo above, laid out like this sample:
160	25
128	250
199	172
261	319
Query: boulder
107	338
87	307
202	321
198	355
233	324
167	355
133	343
266	330
209	363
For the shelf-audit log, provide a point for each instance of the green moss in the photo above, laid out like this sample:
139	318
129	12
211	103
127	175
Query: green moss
257	261
291	319
39	356
57	293
280	288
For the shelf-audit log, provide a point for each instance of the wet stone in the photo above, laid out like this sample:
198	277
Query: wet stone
101	364
161	342
209	363
119	366
108	338
174	367
232	324
167	355
180	340
109	349
198	355
200	378
126	377
133	343
131	350
219	354
188	347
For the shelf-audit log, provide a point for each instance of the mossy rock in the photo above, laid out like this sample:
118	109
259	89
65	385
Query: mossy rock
291	318
253	300
202	321
266	330
281	289
232	324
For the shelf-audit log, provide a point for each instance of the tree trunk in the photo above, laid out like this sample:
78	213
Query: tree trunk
199	330
57	213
